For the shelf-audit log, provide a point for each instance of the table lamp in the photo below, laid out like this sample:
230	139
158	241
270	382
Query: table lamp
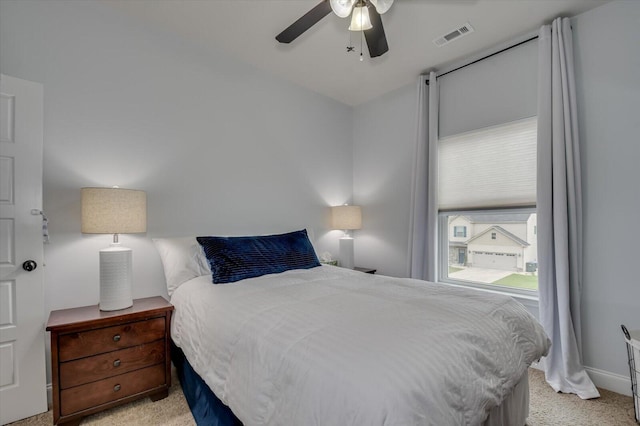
114	211
346	218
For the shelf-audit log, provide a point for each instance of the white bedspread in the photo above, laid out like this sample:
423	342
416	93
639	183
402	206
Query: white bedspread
330	346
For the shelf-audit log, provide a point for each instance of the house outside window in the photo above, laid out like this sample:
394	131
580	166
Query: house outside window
485	259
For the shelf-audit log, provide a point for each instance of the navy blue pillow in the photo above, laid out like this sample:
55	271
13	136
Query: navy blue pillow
235	258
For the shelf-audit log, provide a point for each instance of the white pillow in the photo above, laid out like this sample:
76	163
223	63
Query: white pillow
182	260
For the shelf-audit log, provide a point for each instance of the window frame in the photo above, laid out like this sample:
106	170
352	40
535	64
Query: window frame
443	253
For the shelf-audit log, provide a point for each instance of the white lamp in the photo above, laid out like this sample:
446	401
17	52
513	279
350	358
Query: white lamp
382	6
360	20
346	218
342	8
114	211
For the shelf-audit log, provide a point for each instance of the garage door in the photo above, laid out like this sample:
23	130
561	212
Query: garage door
493	260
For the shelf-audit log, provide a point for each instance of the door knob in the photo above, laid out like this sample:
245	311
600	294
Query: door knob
29	265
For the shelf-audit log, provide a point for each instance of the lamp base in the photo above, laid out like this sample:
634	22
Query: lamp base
346	252
115	278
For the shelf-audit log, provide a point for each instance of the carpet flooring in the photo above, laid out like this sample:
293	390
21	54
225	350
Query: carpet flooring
547	408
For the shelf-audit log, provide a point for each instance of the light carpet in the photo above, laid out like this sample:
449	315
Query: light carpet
546	408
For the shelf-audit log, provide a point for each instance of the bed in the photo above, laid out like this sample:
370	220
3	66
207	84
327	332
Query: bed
323	345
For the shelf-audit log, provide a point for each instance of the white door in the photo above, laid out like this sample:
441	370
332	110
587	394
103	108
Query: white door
22	354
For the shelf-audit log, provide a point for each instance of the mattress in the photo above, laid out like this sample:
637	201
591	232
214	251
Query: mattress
329	346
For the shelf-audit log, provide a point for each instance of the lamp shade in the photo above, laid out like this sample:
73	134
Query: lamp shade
346	217
113	211
382	6
360	20
342	8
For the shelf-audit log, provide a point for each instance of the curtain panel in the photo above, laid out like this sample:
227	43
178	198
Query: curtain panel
424	200
559	208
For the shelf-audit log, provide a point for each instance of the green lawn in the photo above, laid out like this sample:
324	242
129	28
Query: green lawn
527	282
453	269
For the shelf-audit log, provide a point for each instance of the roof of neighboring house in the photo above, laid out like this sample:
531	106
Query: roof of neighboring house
503	232
498	218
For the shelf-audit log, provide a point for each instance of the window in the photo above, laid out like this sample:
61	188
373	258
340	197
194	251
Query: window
487	140
492	207
484	260
460	231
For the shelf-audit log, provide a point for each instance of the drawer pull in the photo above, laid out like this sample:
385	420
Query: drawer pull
116	388
116	363
116	338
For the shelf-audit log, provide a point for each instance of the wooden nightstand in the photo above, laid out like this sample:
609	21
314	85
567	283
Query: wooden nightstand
103	359
365	270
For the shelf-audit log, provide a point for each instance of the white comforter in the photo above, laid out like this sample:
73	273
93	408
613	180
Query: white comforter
330	346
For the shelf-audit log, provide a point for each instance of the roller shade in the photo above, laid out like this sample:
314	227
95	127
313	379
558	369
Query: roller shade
493	91
494	167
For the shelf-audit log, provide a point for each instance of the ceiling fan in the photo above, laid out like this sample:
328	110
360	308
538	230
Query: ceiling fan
365	17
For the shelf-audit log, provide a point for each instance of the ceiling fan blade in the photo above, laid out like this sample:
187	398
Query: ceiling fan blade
376	39
308	20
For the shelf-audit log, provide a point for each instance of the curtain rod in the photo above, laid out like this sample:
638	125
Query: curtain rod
486	57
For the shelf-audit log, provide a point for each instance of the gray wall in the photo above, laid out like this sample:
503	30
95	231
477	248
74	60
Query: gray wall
383	143
607	56
220	147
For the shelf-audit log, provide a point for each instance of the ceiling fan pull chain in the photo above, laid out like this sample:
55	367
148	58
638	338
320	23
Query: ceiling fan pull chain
361	36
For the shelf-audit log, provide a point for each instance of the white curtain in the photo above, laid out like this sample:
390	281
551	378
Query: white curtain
424	203
559	208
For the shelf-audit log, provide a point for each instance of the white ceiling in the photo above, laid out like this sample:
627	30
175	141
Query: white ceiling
317	60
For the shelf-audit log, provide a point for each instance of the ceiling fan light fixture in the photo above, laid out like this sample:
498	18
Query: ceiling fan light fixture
382	5
342	8
360	20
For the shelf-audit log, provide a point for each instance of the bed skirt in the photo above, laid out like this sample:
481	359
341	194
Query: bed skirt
514	410
205	406
208	410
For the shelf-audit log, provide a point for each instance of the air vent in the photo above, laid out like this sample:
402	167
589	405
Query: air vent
453	35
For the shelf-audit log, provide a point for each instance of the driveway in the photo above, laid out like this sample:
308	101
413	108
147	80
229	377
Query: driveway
482	275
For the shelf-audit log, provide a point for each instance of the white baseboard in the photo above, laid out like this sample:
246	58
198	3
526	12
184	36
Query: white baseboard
49	395
610	381
603	379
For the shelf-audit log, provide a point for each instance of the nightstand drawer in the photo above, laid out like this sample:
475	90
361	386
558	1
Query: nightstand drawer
91	369
94	394
78	345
